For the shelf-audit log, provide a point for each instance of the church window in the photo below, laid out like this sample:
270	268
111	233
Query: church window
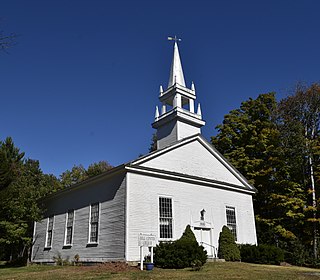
69	227
231	221
49	231
94	223
165	214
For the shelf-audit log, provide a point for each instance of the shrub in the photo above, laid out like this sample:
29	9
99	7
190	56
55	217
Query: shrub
184	252
196	265
228	249
60	261
249	253
297	254
262	254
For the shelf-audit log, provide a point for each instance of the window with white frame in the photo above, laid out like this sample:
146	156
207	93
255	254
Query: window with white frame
49	231
231	221
69	227
94	223
165	217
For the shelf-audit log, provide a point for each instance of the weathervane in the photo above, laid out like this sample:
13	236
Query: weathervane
174	39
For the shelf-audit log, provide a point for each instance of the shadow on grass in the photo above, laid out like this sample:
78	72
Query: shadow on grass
16	263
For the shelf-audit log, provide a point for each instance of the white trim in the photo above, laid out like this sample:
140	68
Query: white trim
85	260
89	225
33	238
126	223
181	177
208	146
46	240
172	208
66	229
73	224
235	214
98	232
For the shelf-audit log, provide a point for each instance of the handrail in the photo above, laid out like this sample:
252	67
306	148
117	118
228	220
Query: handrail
214	248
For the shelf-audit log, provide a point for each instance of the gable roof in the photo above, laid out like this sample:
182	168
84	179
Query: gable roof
149	164
192	158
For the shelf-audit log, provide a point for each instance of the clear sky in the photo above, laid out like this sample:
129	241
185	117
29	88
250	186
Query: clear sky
82	83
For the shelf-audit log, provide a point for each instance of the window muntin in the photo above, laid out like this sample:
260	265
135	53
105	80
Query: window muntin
49	231
94	223
165	217
69	227
231	221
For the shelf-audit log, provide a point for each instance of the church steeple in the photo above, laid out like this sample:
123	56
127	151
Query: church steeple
176	72
177	119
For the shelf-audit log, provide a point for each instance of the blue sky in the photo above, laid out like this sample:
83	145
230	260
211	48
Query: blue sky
82	83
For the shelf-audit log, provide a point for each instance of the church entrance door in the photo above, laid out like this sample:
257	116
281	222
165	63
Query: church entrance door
203	236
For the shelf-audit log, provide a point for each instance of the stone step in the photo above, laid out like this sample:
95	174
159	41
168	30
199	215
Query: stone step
213	259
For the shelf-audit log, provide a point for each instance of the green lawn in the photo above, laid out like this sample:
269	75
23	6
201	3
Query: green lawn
226	270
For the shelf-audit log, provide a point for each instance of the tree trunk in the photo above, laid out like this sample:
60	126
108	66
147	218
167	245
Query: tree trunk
314	201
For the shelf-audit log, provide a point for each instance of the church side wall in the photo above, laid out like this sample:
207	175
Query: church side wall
188	199
110	194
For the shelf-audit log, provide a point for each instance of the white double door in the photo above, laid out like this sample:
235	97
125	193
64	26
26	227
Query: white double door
203	236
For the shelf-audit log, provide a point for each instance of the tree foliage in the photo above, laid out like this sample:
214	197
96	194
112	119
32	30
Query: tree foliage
153	145
6	40
300	120
263	254
78	173
10	162
275	145
22	185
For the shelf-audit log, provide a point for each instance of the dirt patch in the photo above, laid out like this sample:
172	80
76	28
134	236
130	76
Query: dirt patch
109	266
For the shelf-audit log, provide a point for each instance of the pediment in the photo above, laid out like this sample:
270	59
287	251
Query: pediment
197	158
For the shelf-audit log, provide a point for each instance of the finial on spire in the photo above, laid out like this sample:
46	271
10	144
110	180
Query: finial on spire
156	115
161	90
199	110
193	87
176	72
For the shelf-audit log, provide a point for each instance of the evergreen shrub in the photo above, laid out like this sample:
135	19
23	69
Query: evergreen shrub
228	248
297	254
262	254
184	252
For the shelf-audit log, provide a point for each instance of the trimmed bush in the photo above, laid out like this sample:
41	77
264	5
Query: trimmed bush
297	254
184	252
262	254
228	248
249	253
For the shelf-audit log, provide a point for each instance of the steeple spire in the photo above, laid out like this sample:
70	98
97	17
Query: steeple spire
176	72
177	119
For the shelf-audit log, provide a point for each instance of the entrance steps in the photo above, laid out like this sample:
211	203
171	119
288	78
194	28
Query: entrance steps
213	259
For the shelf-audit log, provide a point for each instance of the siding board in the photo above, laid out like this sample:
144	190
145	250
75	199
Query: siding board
110	192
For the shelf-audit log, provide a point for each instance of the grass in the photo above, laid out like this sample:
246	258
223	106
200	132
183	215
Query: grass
217	271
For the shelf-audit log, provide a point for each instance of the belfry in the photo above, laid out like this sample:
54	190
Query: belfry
177	119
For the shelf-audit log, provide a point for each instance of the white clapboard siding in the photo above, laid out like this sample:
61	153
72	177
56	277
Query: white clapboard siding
194	159
110	193
167	134
188	200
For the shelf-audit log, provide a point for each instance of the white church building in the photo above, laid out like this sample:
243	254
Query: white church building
186	181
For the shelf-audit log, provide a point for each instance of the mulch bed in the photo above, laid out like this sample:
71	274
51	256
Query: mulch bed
110	266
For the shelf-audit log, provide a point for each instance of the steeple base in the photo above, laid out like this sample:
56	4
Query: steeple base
176	125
